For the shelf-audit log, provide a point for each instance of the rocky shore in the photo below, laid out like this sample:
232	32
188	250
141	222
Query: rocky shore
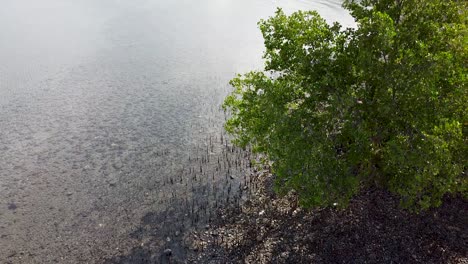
266	228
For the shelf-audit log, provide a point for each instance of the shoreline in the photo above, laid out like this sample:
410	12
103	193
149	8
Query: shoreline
373	229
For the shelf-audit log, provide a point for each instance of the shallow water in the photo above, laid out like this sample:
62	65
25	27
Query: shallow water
111	139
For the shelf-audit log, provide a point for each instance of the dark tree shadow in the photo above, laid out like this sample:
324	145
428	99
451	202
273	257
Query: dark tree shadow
161	231
167	229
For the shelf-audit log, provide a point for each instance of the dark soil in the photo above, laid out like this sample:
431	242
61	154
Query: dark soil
373	229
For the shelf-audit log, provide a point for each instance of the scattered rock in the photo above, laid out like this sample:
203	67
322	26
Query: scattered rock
373	229
168	252
259	238
295	212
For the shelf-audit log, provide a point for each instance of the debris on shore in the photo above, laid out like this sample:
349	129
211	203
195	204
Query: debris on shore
373	229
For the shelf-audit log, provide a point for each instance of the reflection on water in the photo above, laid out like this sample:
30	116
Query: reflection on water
111	138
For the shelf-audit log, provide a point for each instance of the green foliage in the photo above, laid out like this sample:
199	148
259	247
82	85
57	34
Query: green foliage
382	104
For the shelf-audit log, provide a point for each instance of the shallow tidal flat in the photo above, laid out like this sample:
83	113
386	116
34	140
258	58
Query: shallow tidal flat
111	129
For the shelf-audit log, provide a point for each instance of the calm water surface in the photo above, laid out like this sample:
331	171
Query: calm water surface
111	139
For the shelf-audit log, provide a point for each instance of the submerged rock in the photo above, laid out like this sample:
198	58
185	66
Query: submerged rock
12	206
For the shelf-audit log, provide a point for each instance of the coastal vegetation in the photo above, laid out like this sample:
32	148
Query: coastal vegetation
340	109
